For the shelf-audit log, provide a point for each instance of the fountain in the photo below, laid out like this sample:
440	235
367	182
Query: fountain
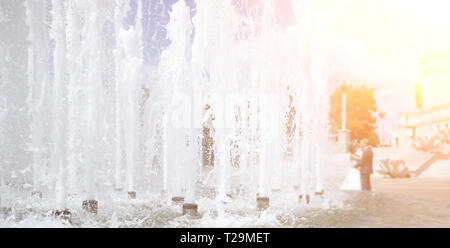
117	94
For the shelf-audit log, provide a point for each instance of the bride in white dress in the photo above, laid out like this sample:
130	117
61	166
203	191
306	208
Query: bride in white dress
353	180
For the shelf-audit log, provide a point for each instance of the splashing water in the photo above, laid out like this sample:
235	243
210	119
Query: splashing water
173	97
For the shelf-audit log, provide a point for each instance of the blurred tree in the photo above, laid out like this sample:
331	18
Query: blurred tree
361	112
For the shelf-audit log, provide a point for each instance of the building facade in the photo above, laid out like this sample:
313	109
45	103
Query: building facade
432	113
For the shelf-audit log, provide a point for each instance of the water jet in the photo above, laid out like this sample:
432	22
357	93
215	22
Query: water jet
37	194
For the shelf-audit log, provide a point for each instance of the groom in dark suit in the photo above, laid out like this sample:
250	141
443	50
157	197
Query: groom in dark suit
365	165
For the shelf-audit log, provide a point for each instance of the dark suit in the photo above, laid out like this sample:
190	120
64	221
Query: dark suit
365	166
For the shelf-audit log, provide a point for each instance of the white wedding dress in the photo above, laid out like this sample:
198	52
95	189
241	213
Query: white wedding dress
353	179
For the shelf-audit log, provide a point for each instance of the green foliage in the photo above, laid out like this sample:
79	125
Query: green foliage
428	145
361	112
394	169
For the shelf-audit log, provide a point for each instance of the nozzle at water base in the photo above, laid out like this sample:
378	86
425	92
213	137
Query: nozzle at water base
131	195
118	189
90	206
307	198
64	215
190	209
36	194
177	199
262	202
319	193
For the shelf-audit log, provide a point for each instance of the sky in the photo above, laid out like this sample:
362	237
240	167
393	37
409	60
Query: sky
381	43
